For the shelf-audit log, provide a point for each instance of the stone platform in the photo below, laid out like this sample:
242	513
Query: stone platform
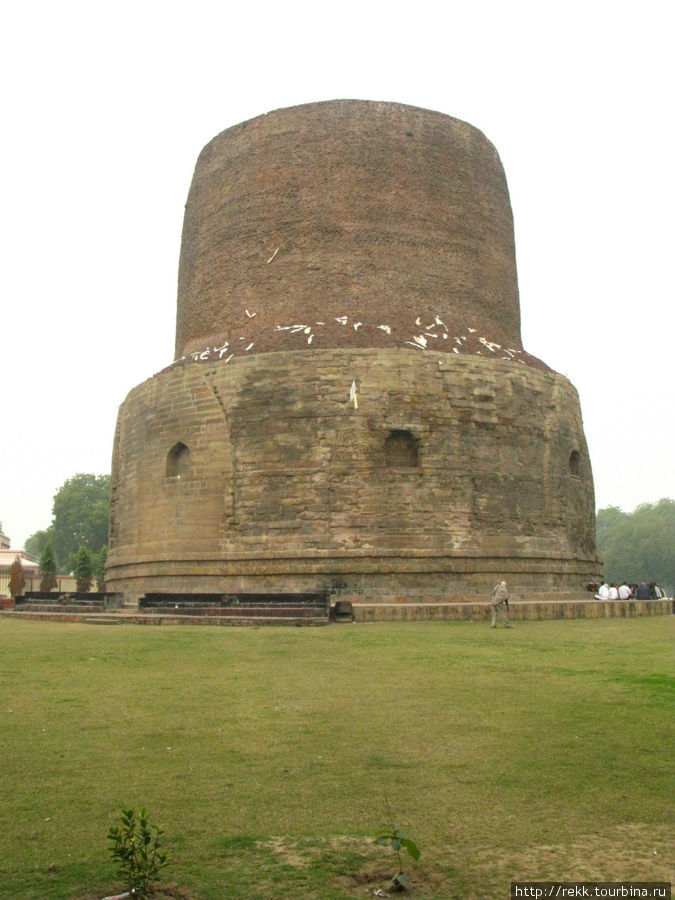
547	607
165	608
519	610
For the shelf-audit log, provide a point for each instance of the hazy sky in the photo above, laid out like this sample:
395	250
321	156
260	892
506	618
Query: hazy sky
106	107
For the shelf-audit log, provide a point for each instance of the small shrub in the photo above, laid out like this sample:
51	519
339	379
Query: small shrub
17	578
83	570
398	840
136	847
48	569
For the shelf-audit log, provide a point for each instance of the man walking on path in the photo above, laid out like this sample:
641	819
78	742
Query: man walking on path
500	604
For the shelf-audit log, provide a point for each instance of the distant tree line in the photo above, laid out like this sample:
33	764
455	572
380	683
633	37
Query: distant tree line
638	546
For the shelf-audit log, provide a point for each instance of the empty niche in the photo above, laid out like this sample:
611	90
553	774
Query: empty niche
178	461
575	462
401	450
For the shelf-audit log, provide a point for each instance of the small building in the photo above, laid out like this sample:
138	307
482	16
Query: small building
31	570
29	563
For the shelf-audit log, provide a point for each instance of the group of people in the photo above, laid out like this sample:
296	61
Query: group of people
499	603
624	591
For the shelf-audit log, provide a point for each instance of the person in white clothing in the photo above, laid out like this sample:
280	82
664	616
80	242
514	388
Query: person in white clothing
624	592
603	592
499	605
613	593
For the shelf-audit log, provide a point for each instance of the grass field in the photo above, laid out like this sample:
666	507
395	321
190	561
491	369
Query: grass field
543	752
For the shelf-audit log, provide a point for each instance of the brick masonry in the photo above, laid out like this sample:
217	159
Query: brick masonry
351	408
376	211
287	485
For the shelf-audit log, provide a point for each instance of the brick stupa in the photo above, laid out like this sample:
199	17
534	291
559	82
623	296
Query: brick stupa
350	407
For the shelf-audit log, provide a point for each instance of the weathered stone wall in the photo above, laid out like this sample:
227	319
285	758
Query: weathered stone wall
286	484
579	607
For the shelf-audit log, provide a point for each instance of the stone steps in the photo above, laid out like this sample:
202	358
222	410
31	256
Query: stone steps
127	617
286	610
103	619
77	607
251	608
243	620
69	602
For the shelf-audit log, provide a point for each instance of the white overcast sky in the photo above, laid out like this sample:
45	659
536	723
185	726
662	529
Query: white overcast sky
107	105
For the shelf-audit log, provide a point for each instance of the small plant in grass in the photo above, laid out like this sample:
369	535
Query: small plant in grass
398	841
135	845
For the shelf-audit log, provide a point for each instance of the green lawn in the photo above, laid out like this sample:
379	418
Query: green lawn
543	752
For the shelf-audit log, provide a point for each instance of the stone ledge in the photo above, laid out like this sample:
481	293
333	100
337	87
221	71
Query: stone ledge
530	610
518	610
146	555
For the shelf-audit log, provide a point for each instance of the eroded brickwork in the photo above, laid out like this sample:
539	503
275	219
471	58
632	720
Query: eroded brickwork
378	212
351	408
289	485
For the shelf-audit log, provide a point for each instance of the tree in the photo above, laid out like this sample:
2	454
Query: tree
83	569
80	511
37	542
17	578
638	546
47	569
80	516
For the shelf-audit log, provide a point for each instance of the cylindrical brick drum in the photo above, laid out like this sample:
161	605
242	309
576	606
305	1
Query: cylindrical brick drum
374	213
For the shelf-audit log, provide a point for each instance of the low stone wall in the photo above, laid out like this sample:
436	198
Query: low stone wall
518	610
46	600
375	612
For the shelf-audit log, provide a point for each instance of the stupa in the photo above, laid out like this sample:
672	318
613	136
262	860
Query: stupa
350	407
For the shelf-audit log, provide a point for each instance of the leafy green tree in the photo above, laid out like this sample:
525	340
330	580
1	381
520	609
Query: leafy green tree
80	513
80	516
47	569
17	578
638	546
37	542
83	569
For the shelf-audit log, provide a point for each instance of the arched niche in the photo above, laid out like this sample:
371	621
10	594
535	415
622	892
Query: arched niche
178	461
